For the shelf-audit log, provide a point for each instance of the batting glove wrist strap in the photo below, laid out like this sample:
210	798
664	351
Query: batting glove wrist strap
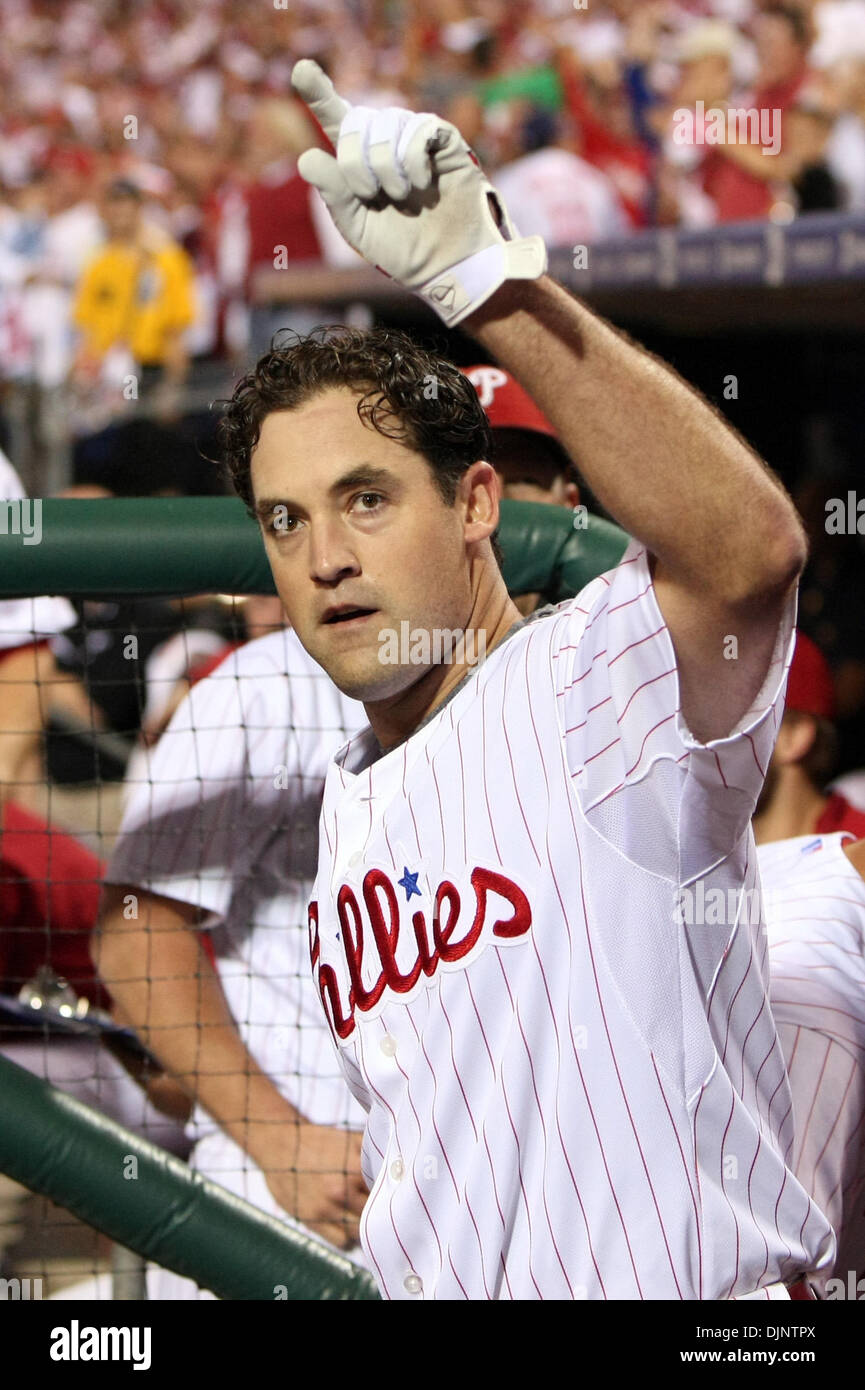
466	286
409	196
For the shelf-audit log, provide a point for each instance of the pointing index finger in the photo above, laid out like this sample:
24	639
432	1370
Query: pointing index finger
314	87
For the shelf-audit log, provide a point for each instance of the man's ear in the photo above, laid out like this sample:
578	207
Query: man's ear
795	737
572	495
481	490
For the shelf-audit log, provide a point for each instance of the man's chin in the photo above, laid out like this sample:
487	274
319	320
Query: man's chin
361	675
378	687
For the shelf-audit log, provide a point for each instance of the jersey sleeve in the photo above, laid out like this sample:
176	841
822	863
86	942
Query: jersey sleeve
190	830
644	782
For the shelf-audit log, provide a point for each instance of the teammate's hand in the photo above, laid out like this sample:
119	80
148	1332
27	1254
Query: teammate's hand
409	195
317	1180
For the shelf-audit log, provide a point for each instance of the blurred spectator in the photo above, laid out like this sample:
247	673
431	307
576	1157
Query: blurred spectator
839	57
133	305
809	125
552	193
845	148
280	229
741	180
606	133
193	106
705	60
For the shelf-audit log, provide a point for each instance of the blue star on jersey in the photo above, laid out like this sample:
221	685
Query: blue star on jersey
409	883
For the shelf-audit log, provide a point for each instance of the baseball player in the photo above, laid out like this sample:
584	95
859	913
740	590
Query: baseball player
795	800
221	837
815	911
26	626
237	776
220	762
568	1094
530	462
49	881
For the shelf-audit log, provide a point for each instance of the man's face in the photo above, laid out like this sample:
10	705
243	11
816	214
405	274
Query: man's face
360	541
778	52
121	217
707	79
529	473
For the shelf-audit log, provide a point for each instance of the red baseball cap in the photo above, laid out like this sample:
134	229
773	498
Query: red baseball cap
810	688
507	405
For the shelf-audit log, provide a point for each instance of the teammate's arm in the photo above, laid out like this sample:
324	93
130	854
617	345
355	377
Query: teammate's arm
24	673
166	988
727	541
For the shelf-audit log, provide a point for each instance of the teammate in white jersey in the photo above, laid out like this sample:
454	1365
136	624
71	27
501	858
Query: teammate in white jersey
815	911
222	835
570	1094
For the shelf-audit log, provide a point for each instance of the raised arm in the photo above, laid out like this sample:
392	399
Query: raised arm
727	542
407	193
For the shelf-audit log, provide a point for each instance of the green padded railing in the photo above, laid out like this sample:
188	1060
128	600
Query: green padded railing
56	1146
201	545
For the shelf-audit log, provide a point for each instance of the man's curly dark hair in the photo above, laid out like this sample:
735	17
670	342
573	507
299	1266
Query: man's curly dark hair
404	392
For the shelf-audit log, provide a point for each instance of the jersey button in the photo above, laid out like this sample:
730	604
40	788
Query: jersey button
413	1284
397	1170
354	860
388	1045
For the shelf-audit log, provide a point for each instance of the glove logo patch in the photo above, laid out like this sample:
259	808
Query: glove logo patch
443	294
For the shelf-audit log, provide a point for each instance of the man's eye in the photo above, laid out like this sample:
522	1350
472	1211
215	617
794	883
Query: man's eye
281	524
370	500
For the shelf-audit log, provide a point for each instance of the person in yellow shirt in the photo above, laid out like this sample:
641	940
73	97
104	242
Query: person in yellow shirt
134	303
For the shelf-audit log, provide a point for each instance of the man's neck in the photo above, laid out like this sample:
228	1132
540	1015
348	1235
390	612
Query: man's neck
394	720
787	817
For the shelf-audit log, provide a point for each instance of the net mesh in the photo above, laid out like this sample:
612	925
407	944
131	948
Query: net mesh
201	809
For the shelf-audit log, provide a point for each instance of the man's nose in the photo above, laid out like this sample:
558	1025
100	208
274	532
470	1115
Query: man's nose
331	556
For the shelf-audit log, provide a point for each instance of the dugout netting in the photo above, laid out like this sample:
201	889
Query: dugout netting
95	720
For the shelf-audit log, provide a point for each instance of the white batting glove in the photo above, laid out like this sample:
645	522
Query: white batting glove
409	195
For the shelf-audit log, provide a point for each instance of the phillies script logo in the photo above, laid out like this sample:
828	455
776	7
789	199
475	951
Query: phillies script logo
372	933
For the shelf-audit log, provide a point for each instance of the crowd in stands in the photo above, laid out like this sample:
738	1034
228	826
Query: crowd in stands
148	158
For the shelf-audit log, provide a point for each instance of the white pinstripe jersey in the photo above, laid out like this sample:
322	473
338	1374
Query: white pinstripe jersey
815	910
570	1094
227	821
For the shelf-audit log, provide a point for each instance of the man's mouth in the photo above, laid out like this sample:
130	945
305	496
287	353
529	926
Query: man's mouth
345	615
